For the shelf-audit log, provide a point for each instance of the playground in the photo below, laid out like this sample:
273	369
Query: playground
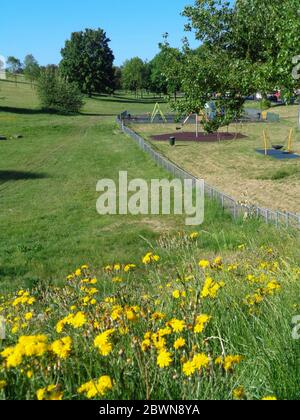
259	163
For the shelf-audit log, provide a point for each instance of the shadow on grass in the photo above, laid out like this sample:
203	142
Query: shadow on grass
23	111
20	175
126	100
89	114
28	111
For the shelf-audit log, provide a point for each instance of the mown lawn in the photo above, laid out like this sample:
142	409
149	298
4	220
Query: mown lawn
48	217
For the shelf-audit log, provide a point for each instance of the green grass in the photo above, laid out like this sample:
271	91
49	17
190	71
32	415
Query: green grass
49	227
48	193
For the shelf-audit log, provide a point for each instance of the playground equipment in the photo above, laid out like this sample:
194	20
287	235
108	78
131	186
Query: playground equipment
267	142
209	113
157	111
270	116
279	151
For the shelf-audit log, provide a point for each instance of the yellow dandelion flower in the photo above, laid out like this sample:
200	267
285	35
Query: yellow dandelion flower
188	368
164	359
28	316
131	314
201	322
150	258
164	331
129	267
62	347
179	343
211	288
103	344
201	361
50	393
96	388
228	362
177	325
146	345
176	294
194	235
204	264
238	393
78	320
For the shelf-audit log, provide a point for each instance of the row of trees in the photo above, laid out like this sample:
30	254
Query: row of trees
86	68
245	48
155	76
30	67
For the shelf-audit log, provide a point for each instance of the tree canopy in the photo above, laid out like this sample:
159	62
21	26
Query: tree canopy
134	75
13	65
88	60
245	48
31	68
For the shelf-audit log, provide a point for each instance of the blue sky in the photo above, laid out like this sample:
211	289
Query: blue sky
135	27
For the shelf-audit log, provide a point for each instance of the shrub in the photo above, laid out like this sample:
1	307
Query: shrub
265	104
57	94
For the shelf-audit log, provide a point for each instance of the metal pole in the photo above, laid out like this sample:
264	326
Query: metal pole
299	114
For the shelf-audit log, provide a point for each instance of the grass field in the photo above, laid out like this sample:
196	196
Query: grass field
196	315
48	193
235	168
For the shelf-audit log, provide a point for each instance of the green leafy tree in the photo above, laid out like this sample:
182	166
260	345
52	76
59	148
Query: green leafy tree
58	95
134	75
172	65
31	68
13	65
247	47
157	79
264	33
88	61
205	81
117	78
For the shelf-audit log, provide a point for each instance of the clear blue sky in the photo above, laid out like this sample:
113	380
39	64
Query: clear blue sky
135	27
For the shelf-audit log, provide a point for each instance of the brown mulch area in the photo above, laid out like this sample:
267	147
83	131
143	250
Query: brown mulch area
202	137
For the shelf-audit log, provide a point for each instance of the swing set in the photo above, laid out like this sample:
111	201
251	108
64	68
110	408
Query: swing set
198	118
279	151
287	148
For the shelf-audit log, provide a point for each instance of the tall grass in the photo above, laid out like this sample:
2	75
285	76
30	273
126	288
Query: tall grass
232	316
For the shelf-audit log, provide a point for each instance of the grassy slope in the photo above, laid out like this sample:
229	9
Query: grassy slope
49	226
48	216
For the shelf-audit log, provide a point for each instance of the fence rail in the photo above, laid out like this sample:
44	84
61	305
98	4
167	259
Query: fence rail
228	203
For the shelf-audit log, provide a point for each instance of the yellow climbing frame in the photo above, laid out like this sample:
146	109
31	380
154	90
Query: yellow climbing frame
157	111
